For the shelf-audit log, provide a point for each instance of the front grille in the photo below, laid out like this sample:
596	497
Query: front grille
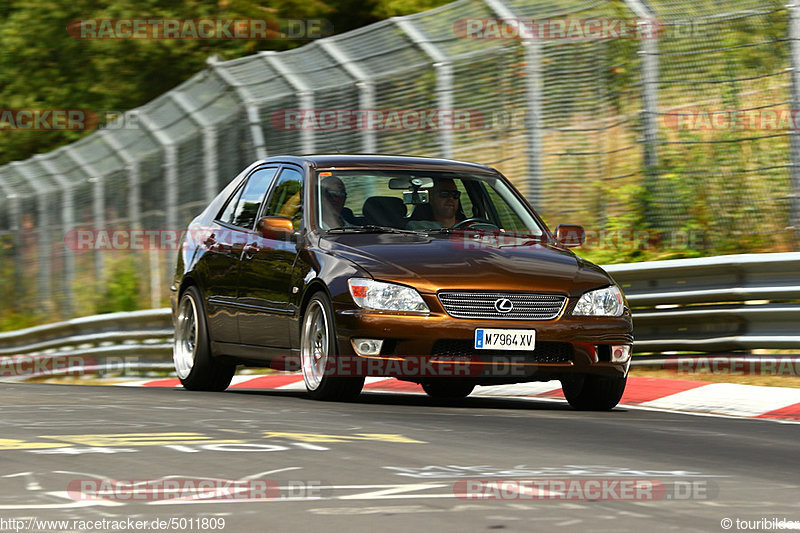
544	352
481	305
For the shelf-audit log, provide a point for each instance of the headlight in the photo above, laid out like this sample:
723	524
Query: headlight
372	294
602	302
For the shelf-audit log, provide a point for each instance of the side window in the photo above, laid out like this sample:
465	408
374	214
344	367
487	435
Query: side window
230	207
286	199
242	211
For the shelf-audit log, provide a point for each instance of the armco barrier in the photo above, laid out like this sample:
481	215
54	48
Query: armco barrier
714	304
707	305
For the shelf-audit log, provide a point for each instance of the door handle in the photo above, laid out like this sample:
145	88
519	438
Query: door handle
250	250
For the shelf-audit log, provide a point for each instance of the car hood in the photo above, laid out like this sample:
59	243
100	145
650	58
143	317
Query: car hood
471	261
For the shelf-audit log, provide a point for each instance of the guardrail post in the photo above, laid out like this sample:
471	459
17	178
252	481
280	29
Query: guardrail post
247	101
532	48
304	92
366	89
444	78
67	223
794	135
45	258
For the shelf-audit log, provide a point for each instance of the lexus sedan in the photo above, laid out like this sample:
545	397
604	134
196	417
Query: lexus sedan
428	270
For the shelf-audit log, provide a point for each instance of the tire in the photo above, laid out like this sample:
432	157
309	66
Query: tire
197	369
593	393
318	353
448	389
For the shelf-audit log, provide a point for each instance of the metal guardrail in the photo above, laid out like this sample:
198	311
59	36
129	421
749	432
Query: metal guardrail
714	304
707	305
114	342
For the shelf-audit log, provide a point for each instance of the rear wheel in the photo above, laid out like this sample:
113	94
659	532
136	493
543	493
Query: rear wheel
448	389
318	354
191	351
593	393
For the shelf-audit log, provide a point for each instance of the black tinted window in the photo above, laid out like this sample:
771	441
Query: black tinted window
243	210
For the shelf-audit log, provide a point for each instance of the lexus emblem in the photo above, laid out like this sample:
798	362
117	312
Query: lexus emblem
503	305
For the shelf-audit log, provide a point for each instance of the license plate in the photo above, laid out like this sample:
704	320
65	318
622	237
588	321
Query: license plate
505	339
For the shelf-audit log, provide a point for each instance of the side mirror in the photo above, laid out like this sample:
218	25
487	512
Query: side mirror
570	235
277	228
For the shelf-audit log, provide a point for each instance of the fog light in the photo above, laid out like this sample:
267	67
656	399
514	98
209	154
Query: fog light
367	346
620	354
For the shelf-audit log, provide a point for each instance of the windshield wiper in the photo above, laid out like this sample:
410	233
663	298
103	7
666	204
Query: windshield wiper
370	228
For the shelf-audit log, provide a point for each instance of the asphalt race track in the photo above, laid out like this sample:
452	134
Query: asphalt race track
390	462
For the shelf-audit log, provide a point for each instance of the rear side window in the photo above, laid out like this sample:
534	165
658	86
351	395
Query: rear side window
242	209
286	199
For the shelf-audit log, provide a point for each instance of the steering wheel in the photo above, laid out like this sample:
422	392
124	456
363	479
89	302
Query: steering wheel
473	220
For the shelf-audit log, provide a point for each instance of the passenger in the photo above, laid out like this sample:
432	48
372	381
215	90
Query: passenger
333	197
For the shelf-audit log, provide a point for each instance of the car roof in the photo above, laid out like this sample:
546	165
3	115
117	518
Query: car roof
380	161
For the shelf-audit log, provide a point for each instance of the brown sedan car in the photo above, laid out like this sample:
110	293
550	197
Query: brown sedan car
428	270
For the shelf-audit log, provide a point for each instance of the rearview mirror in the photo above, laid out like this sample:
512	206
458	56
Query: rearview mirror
570	235
410	182
277	228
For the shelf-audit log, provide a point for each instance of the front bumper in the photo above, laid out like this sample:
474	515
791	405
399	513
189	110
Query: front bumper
436	345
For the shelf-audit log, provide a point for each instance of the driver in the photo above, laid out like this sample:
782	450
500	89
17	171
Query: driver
443	206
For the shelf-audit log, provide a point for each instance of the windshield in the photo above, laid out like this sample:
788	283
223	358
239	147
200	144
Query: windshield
420	201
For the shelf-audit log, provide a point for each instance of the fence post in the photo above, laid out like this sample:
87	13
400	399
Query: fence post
305	93
170	169
135	208
15	226
98	204
366	89
794	43
247	101
171	194
67	222
444	78
132	166
648	51
532	49
45	258
210	159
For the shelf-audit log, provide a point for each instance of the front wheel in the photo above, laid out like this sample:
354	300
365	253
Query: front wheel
448	389
191	350
593	393
318	354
